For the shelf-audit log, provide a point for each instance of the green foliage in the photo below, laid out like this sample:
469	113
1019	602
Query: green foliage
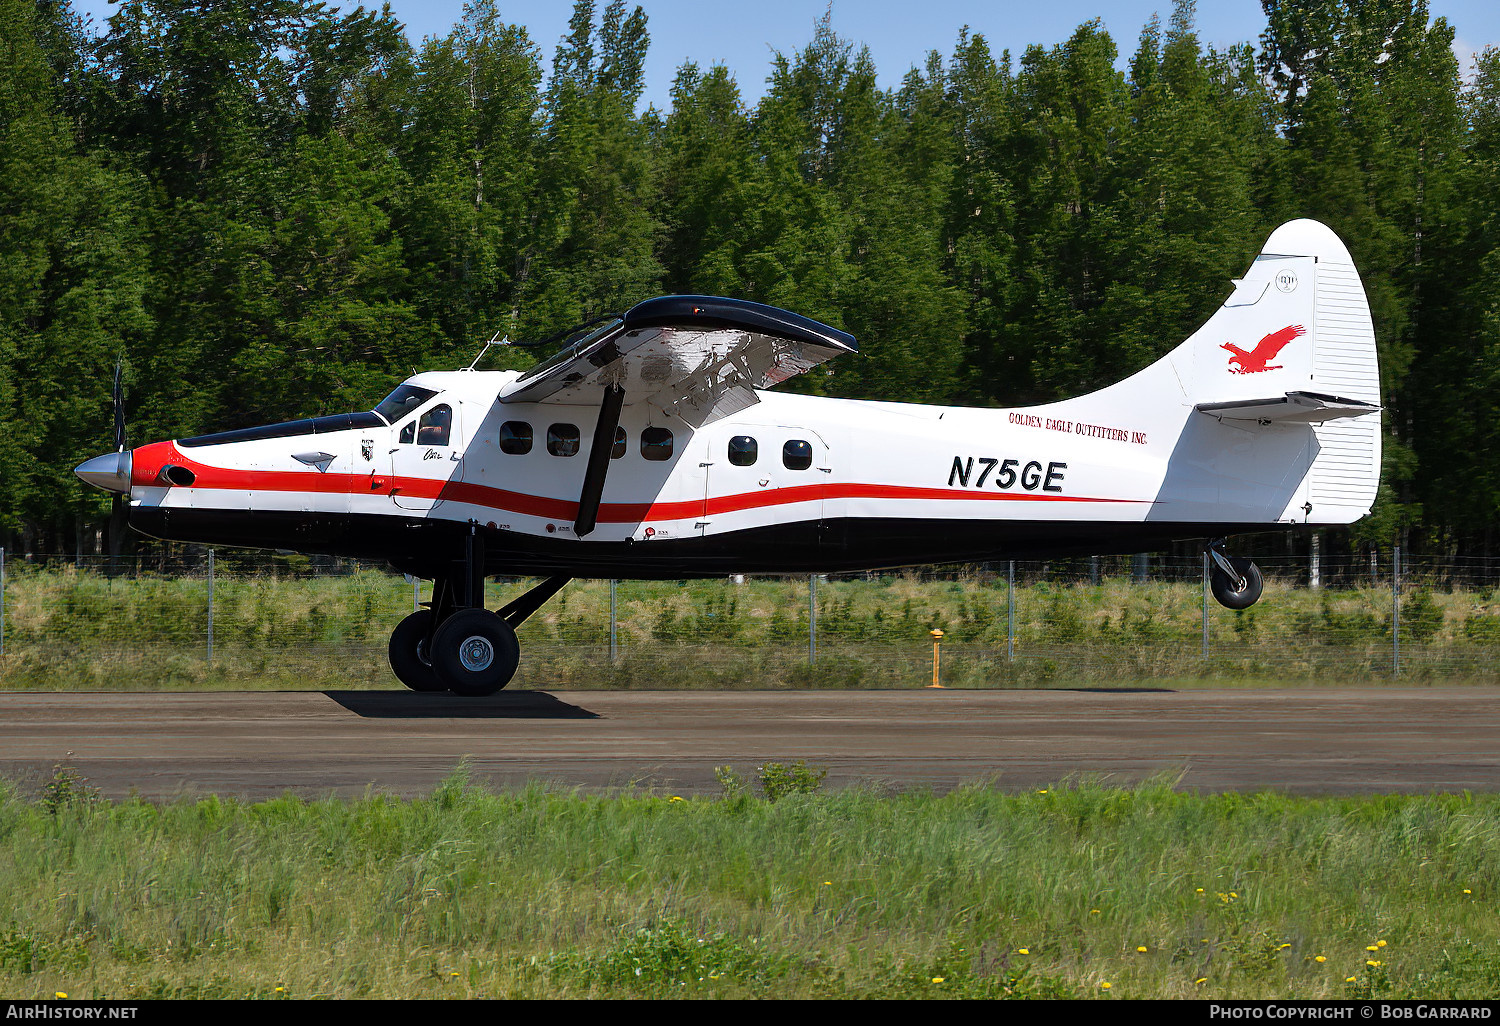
1421	617
779	779
66	789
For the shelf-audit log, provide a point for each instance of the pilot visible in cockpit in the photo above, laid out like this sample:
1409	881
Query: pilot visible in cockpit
435	425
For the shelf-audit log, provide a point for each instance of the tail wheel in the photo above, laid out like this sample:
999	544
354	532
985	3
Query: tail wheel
475	652
1241	591
410	661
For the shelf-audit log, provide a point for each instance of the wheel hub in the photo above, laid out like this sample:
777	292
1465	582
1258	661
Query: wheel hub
476	653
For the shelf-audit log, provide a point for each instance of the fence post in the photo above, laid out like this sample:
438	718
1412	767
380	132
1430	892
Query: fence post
812	618
210	605
1205	603
614	640
1396	611
416	594
1010	611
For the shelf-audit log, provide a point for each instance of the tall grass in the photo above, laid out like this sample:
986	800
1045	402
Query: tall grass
72	629
540	893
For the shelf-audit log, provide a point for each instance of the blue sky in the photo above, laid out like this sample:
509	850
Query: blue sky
743	35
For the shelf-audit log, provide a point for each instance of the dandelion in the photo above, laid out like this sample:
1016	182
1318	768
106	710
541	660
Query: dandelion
1319	958
827	883
1042	791
675	798
1372	947
1104	985
1283	947
1141	949
1233	894
281	990
1023	951
1467	891
1380	944
1348	979
1201	979
937	979
1093	911
1200	890
1370	961
60	994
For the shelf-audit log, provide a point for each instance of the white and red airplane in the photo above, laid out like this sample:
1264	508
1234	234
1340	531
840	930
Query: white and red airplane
646	449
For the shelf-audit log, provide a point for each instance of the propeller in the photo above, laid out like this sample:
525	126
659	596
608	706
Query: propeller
119	512
119	395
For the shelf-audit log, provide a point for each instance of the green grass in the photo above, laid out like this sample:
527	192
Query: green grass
78	630
538	893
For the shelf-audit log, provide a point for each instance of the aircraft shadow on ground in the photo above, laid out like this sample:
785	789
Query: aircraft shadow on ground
410	705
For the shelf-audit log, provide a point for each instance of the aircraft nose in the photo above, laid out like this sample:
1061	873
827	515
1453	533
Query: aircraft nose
110	471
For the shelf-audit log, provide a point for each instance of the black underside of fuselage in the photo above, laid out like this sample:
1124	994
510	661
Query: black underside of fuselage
427	547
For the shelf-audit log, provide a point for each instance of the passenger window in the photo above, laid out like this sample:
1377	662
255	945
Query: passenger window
562	440
656	444
618	449
796	454
743	451
515	438
434	426
409	433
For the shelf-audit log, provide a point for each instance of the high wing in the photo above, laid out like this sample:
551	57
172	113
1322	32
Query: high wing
696	357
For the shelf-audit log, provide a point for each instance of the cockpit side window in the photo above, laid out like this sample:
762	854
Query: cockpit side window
409	433
435	426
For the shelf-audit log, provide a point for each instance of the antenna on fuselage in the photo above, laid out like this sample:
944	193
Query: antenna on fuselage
495	340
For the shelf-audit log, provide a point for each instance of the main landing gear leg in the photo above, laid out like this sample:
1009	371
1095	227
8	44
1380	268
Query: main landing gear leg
1235	581
456	644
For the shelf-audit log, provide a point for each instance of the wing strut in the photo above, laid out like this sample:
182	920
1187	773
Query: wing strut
593	475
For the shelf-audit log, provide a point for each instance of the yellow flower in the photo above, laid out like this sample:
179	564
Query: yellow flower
1141	949
1042	791
827	883
937	979
1467	891
1093	911
59	994
1372	947
1232	894
1319	958
1371	962
1023	951
1200	890
1380	944
1104	985
1348	979
1283	947
675	798
1201	979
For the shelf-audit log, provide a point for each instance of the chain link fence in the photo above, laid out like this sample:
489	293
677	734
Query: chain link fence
235	620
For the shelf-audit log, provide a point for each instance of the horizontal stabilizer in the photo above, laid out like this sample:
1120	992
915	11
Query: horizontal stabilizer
1292	408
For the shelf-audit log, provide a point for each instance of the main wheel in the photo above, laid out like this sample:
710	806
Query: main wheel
475	652
1231	593
408	653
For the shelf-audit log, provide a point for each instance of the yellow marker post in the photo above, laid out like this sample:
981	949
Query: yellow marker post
937	641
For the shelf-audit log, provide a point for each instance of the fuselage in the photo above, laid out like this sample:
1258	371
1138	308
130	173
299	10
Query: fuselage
792	484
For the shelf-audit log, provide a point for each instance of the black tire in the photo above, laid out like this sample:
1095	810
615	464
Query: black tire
1224	588
408	653
475	652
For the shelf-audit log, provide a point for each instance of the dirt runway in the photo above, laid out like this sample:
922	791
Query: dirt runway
260	744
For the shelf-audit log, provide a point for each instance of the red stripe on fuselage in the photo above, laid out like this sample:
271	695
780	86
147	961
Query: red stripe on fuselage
149	460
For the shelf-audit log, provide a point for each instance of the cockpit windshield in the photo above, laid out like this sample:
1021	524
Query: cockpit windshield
402	401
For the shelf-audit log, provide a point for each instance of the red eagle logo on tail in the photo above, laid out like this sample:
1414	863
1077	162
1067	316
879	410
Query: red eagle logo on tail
1259	359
